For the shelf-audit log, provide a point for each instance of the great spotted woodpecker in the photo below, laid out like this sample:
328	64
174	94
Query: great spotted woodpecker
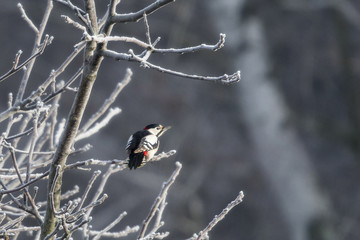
143	144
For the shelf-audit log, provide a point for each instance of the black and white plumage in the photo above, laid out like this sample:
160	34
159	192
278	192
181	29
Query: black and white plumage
143	145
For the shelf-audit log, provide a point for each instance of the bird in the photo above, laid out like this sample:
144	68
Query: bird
142	145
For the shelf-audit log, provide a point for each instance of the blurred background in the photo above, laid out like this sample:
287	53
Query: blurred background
288	134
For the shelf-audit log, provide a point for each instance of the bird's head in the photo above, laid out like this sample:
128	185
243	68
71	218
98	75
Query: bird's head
157	129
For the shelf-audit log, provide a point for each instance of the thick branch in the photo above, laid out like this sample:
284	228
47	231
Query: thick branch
92	64
91	10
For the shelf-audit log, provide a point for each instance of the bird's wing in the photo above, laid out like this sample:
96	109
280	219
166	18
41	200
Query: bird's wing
147	143
130	143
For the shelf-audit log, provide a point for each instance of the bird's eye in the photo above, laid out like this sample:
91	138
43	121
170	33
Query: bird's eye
158	128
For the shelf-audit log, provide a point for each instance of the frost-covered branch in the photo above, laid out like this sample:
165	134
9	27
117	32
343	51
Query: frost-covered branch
160	200
204	233
134	17
16	67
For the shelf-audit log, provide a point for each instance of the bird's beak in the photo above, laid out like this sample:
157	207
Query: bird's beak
164	130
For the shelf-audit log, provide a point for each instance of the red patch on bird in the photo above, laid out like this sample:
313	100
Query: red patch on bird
146	153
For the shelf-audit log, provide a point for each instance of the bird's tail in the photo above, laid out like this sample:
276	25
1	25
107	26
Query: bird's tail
135	160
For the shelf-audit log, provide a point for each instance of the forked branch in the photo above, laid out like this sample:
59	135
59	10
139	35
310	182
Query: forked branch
16	67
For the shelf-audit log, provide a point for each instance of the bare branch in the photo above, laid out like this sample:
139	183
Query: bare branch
203	46
96	162
68	4
110	226
22	229
112	169
75	24
88	187
96	128
27	19
37	93
218	218
36	47
33	140
226	79
16	166
51	193
134	17
13	222
155	235
4	191
15	68
159	199
89	207
120	234
29	131
119	87
90	9
150	46
122	163
40	90
53	233
147	29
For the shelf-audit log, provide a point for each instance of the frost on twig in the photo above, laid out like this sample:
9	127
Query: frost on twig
204	233
159	205
118	88
98	126
16	67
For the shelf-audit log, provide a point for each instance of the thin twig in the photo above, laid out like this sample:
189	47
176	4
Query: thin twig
88	208
134	17
75	24
114	235
112	169
88	187
27	19
15	68
5	191
22	229
39	35
71	6
110	226
40	90
159	199
147	29
226	79
63	88
119	87
13	156
239	198
98	126
33	140
51	193
96	162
